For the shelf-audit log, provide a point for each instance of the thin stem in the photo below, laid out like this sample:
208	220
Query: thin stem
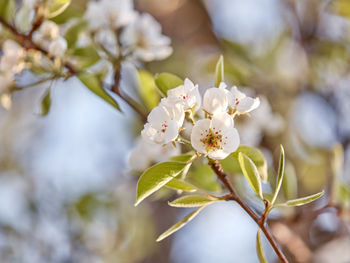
260	221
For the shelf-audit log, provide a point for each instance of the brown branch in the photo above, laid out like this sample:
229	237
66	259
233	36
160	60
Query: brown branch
27	42
260	221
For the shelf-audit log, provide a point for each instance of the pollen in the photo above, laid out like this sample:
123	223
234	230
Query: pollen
212	141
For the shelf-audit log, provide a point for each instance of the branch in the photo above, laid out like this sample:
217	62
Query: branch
260	221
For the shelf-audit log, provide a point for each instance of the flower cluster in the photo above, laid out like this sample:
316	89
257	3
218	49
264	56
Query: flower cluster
11	62
121	31
48	37
214	135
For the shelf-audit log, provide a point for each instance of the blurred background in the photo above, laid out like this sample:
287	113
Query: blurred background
66	190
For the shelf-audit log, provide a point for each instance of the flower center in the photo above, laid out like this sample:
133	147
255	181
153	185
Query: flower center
212	140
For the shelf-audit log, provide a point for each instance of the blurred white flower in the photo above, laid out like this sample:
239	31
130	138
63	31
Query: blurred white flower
6	79
108	40
240	102
187	95
144	40
215	99
161	127
12	58
144	154
49	30
109	13
58	47
216	138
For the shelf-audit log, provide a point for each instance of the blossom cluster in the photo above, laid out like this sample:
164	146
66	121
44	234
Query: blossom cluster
122	31
48	37
213	133
11	62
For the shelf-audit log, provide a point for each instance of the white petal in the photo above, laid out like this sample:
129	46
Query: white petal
248	104
222	121
232	141
171	132
148	132
158	116
215	101
222	85
218	155
198	130
237	94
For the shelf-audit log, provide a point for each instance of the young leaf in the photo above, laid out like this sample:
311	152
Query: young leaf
279	176
92	83
259	248
177	184
205	178
86	56
191	201
219	71
251	173
156	177
7	9
179	224
256	156
183	157
57	7
147	89
46	103
167	81
303	200
73	32
290	182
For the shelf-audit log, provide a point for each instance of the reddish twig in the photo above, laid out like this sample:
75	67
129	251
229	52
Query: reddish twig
260	221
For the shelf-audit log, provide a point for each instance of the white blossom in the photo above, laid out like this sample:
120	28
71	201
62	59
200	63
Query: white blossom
145	154
161	127
49	30
187	95
109	13
175	110
240	102
215	100
216	138
144	40
58	47
12	58
108	40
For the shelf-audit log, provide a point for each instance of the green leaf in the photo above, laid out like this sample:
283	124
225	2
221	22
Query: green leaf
92	83
177	184
156	177
290	182
259	248
280	176
231	164
57	7
251	173
183	157
191	201
7	9
179	224
46	103
86	56
256	156
73	32
167	81
303	200
219	71
205	178
147	89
